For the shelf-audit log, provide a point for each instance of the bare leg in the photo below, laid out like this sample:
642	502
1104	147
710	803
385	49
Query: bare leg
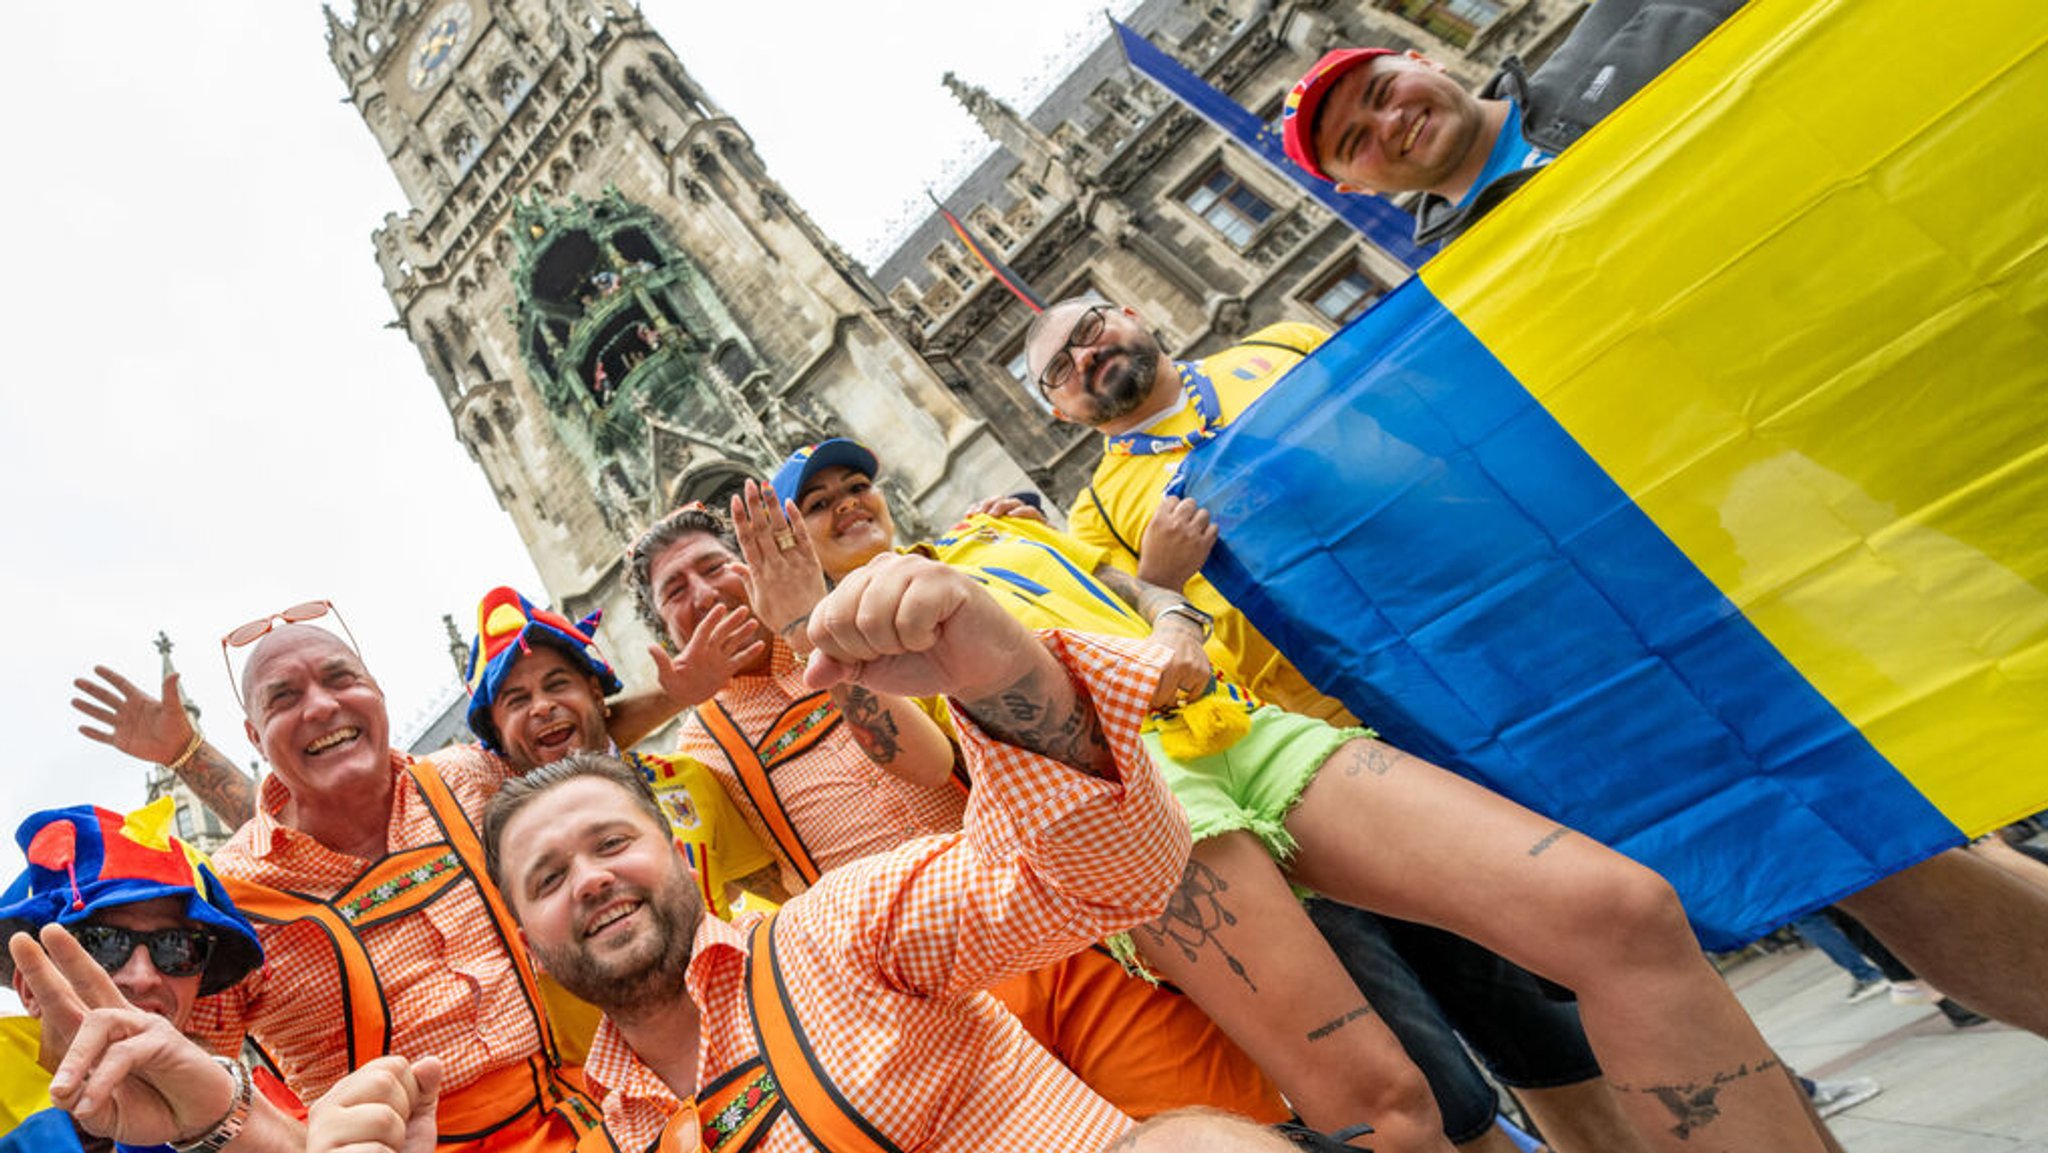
1236	940
1390	832
1972	929
2013	861
1581	1118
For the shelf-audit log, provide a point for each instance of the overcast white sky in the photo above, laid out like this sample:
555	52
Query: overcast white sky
203	417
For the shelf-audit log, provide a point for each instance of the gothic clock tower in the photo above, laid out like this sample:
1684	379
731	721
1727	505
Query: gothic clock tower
621	309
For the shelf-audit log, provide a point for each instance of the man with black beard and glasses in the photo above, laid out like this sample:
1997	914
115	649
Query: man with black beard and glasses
1097	364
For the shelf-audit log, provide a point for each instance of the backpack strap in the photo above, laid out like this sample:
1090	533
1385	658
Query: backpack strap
814	1102
786	738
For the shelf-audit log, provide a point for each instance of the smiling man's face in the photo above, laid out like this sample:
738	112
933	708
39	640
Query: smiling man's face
1396	124
547	708
601	894
317	715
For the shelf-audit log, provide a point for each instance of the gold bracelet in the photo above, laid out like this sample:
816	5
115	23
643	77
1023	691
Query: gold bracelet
191	748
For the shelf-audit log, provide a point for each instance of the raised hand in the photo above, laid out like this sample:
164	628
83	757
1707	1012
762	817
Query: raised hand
1176	543
387	1106
784	580
911	626
724	642
154	729
123	1073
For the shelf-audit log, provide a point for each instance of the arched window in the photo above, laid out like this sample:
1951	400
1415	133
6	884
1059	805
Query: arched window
733	361
461	147
508	85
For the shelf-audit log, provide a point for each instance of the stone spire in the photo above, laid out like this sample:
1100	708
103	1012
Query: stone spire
458	649
1038	153
163	649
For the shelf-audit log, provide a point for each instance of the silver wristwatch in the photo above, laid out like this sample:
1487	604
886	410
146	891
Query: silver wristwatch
1194	616
230	1126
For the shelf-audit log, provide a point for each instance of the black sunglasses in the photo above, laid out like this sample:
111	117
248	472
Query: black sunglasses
1086	331
174	952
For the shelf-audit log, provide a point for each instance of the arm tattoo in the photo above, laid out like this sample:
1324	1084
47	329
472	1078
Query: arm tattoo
1335	1023
220	786
1052	720
1548	839
1148	599
1694	1105
1195	917
874	730
789	630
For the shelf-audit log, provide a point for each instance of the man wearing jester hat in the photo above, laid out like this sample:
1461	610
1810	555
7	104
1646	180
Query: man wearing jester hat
537	687
134	929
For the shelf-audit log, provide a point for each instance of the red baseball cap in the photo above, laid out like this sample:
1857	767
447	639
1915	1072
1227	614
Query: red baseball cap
1298	115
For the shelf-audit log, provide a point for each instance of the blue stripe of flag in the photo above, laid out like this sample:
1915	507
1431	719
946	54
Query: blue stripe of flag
1430	546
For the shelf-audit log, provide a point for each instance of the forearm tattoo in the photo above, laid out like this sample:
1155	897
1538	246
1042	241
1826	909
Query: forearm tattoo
220	786
1147	598
1048	717
873	728
1696	1104
1195	918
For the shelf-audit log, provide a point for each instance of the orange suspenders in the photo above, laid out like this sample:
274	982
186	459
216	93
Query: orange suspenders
735	1112
403	883
800	727
814	1103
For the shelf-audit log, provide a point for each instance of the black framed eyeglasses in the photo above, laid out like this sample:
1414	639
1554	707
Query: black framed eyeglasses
1086	331
174	952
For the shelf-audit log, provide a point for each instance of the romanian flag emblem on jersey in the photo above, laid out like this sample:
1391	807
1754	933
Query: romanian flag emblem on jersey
1698	496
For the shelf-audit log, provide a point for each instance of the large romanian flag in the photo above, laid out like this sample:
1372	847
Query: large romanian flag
1699	495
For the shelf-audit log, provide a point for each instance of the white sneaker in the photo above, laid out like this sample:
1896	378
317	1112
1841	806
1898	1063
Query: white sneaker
1913	993
1865	990
1832	1097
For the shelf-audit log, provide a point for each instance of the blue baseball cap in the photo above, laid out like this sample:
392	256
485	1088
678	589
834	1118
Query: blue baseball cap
804	463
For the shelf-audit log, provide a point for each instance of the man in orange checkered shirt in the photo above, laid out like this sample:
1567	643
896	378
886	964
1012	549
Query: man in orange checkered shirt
365	877
852	1018
830	794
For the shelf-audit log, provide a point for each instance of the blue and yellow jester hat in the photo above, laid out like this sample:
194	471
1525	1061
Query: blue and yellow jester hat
85	859
507	625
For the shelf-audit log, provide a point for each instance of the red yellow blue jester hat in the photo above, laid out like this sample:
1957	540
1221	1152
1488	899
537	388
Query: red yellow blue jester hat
507	625
85	859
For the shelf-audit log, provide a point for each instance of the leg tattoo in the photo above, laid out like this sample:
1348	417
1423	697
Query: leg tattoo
1368	756
1194	916
1695	1105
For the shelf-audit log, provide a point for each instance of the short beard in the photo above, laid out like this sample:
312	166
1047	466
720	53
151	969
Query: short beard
646	979
1123	389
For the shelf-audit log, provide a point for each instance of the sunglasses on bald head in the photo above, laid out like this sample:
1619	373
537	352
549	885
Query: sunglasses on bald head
174	952
256	630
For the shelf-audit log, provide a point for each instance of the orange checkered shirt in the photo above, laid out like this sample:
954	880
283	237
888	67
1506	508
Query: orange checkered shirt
450	985
885	957
847	806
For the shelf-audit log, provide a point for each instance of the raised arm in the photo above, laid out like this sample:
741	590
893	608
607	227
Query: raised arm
157	729
785	583
1070	835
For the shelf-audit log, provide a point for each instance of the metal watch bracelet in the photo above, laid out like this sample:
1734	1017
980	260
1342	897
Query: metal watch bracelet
230	1126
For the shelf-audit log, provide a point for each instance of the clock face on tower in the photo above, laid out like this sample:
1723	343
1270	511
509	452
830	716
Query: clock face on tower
439	43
